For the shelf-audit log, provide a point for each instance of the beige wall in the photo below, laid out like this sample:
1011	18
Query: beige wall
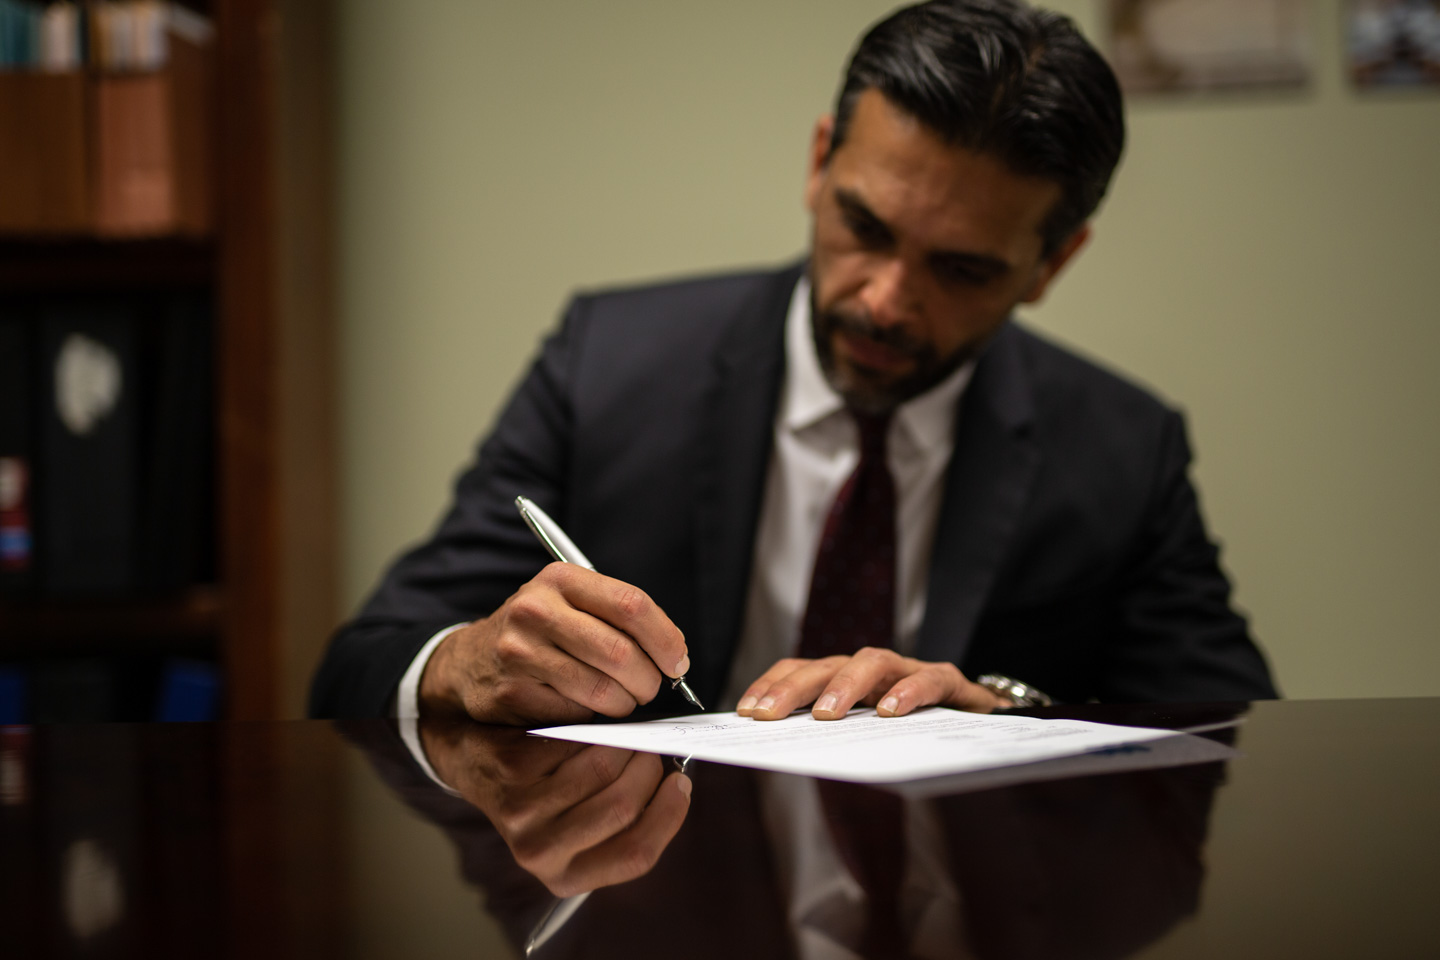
1267	263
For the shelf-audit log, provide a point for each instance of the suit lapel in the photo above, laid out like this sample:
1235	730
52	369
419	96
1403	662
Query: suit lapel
733	452
991	474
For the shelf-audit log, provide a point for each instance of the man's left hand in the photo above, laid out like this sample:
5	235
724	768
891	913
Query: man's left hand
873	676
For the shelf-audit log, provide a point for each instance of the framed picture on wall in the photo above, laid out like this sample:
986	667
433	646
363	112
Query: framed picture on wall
1393	43
1181	46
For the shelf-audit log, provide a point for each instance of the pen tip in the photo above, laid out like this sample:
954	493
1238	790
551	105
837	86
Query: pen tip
690	694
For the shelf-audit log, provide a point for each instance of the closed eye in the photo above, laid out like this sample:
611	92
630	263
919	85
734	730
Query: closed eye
862	223
965	268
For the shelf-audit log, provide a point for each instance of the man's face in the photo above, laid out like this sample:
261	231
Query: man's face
920	251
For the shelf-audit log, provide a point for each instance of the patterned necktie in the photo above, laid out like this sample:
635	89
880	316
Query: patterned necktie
852	589
852	605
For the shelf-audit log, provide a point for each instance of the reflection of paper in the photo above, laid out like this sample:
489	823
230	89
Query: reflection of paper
1178	751
864	748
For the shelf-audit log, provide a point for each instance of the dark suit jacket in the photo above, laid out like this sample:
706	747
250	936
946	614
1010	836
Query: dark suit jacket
1070	551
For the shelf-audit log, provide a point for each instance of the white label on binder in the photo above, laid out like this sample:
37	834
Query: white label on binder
87	383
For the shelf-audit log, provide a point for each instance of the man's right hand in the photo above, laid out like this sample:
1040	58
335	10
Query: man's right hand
569	644
577	817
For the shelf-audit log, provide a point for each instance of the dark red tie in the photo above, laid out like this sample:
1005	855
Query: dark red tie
852	588
852	605
867	826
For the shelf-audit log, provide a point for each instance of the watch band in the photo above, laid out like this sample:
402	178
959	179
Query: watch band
1018	693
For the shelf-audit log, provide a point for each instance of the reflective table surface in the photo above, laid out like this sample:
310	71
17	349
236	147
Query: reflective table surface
1305	829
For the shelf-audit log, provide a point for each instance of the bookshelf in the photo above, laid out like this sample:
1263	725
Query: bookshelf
264	607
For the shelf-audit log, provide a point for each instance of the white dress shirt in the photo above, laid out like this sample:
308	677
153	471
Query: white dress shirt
816	448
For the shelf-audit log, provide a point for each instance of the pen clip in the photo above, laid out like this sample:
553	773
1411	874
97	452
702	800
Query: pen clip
548	532
539	531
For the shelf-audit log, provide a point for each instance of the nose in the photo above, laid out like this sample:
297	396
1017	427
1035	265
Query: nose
889	294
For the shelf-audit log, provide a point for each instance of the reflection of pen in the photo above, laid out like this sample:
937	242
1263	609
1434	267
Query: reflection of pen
562	548
561	910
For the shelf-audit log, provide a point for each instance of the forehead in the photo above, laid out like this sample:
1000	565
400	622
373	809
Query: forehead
940	194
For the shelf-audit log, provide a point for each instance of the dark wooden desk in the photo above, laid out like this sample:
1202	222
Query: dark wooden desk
1320	839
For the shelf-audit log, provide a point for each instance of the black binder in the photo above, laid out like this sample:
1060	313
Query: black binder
17	462
177	514
89	414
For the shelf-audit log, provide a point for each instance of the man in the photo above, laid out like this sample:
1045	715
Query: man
852	481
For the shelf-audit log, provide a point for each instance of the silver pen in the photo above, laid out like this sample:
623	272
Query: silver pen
562	548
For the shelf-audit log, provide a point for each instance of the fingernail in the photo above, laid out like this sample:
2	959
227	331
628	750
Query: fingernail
889	705
827	703
683	667
746	703
683	782
766	705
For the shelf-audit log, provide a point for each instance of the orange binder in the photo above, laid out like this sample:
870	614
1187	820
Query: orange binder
44	182
152	148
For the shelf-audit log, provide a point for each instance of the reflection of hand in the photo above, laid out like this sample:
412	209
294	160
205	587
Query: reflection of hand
577	817
871	676
569	643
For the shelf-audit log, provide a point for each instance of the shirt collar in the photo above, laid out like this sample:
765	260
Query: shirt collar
808	397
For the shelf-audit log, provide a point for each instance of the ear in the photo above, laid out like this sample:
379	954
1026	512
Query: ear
819	158
1046	272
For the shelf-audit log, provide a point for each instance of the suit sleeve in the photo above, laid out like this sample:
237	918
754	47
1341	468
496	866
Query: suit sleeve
480	554
1179	637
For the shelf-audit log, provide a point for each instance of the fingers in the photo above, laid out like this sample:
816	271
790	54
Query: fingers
629	610
614	834
937	683
567	644
870	671
836	684
762	684
634	852
613	809
549	672
787	686
582	776
463	754
611	627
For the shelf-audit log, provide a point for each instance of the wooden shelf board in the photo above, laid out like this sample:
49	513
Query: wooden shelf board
186	622
41	264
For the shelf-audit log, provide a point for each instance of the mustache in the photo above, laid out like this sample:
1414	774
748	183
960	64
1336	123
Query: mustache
859	323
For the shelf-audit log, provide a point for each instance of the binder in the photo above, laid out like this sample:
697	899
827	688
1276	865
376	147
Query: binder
153	147
44	169
17	469
13	706
177	528
189	692
88	496
73	691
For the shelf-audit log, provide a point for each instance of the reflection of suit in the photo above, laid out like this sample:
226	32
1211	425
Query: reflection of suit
1070	550
1096	867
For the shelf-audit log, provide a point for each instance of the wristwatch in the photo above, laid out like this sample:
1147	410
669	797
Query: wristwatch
1019	694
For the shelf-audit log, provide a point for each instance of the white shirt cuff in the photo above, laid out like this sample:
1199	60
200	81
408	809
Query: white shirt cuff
407	706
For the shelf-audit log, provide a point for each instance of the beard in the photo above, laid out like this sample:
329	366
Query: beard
866	389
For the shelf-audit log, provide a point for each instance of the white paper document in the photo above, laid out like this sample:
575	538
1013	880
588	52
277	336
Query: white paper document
863	747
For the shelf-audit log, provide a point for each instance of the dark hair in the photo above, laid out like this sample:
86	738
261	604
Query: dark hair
1002	78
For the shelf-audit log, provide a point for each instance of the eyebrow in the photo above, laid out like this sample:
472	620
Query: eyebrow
981	263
